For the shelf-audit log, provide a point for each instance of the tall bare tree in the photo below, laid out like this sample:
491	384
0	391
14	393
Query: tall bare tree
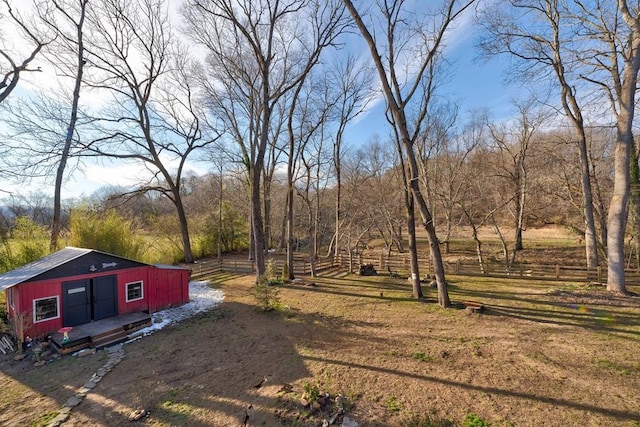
354	84
541	36
66	19
154	119
611	55
265	48
422	42
513	144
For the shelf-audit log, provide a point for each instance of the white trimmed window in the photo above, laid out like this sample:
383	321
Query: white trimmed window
46	309
135	291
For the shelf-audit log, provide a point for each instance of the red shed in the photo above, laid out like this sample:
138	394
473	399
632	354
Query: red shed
77	286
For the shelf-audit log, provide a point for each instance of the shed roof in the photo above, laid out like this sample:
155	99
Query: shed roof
35	268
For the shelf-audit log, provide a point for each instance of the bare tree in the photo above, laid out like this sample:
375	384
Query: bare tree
154	119
308	113
354	84
440	160
400	90
65	18
541	36
514	147
265	48
612	58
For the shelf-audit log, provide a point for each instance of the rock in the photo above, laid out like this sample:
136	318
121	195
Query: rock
90	385
325	423
19	356
73	401
138	414
304	402
40	363
348	422
59	419
316	405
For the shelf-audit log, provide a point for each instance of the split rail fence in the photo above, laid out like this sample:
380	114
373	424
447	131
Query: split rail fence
399	264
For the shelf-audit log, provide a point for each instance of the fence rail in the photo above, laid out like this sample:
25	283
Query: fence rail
401	264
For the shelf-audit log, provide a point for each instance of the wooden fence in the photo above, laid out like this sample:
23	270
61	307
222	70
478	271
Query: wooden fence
400	264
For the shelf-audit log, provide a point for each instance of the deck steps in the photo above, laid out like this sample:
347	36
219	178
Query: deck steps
100	333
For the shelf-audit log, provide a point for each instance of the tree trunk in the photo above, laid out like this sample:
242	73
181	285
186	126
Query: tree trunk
184	226
57	197
436	255
289	239
635	204
336	247
618	208
590	239
413	251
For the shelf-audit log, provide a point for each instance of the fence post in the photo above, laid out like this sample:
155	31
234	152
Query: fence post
557	271
599	272
381	261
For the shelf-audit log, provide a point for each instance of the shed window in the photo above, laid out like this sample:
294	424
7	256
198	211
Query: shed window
134	291
45	309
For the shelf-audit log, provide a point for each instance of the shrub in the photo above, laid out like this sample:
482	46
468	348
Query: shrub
108	232
26	242
267	295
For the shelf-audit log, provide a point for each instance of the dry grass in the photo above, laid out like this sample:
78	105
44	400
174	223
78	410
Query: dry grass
541	354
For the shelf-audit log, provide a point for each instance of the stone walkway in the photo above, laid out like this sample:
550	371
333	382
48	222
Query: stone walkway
116	354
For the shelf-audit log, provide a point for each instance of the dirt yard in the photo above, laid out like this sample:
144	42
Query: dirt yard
359	349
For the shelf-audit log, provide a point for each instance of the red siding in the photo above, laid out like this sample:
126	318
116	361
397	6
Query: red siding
29	292
162	288
170	287
129	276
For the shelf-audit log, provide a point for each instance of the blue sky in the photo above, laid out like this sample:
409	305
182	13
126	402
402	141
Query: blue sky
472	84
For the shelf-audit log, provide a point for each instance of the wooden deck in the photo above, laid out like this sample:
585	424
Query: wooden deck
101	332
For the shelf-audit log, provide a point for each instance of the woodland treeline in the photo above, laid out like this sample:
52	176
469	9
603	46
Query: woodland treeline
262	92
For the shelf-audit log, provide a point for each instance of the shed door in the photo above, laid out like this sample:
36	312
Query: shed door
105	297
76	302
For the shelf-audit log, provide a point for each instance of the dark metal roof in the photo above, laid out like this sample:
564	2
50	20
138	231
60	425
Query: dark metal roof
35	268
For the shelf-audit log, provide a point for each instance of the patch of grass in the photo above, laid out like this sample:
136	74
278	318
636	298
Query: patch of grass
44	419
177	410
393	404
609	365
473	420
422	357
